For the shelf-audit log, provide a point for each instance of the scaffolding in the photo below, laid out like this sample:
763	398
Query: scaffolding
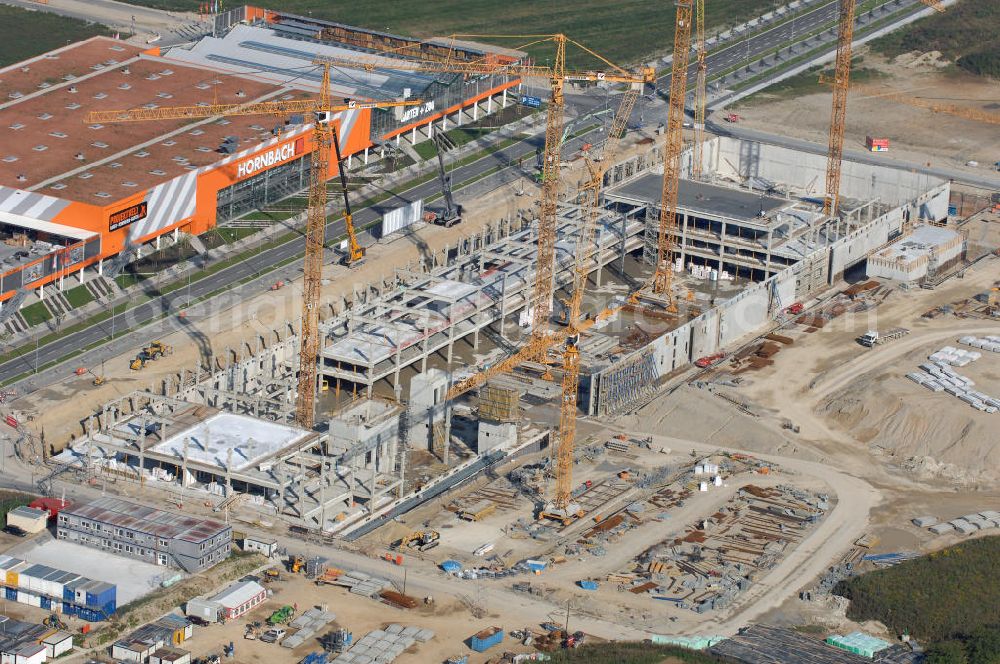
499	404
627	383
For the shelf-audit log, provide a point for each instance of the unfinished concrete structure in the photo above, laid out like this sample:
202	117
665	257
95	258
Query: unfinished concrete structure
405	332
921	253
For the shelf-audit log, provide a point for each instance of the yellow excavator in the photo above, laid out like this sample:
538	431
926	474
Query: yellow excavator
421	540
157	349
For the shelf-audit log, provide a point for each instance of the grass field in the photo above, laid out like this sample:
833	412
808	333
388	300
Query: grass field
38	32
624	32
967	33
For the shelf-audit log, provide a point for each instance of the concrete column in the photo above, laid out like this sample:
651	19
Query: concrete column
444	122
395	379
413	136
767	259
62	282
397	139
503	104
350	160
366	156
475	112
157	242
489	105
41	292
176	234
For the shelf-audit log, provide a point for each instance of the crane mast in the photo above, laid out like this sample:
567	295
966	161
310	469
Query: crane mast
541	299
673	144
312	274
700	91
838	116
571	355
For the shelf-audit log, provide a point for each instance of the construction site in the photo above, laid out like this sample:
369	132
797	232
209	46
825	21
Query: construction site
679	379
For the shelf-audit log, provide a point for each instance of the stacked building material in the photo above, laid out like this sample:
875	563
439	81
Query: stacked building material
308	624
362	584
384	646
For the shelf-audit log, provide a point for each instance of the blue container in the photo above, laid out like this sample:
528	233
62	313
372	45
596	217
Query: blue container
952	210
587	585
486	639
69	609
46	603
11	594
101	595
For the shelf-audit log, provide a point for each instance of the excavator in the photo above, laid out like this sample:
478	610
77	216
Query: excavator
157	349
421	540
296	564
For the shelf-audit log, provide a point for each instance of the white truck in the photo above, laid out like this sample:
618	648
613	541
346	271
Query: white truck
873	338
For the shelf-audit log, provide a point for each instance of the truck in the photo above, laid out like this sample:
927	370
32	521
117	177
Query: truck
795	308
873	338
709	360
733	117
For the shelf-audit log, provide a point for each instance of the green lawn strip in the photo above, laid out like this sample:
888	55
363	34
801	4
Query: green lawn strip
35	314
79	296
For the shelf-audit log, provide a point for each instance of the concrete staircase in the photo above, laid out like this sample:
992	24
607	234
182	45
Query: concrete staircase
102	288
57	304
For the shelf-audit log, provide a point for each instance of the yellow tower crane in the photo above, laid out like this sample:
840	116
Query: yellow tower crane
571	355
838	114
323	109
672	147
558	76
700	91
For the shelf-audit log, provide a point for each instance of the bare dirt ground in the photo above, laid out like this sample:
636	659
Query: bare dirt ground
915	134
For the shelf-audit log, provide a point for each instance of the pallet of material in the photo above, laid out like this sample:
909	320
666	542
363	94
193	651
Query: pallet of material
399	600
780	338
768	349
857	289
811	321
644	588
477	511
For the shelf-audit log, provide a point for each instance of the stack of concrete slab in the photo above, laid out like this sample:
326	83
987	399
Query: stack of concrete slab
941	528
938	376
925	521
963	527
954	356
362	584
384	646
990	343
307	624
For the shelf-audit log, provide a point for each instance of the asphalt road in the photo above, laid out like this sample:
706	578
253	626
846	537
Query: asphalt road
742	51
234	274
